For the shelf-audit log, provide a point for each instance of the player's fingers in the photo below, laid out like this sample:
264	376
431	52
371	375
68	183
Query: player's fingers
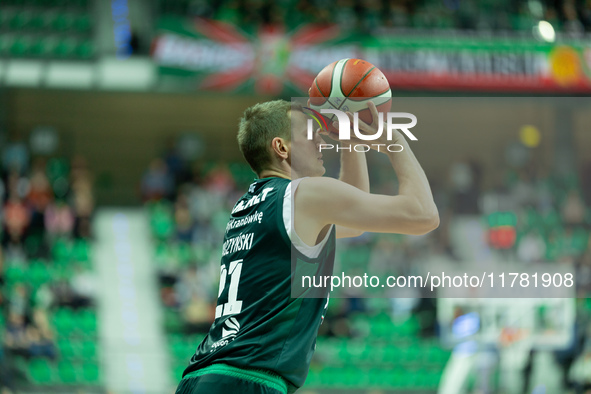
374	114
333	127
361	125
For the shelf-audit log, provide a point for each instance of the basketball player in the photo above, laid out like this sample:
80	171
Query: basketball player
262	339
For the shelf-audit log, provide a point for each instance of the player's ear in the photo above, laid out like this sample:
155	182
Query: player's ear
280	147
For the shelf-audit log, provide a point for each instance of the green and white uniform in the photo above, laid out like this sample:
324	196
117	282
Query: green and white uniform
258	324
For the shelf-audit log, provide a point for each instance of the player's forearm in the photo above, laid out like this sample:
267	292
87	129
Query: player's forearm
414	183
354	168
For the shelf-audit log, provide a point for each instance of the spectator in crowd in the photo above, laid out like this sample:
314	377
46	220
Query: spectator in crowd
59	219
573	210
157	182
16	219
183	219
41	203
367	16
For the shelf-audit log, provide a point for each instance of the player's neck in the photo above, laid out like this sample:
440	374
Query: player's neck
275	173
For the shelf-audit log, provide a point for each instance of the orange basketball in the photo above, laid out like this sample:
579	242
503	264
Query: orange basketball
348	85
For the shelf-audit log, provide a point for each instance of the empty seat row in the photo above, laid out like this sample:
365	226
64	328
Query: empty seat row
17	20
46	47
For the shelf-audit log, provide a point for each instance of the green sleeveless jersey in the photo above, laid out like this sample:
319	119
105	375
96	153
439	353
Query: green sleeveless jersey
259	323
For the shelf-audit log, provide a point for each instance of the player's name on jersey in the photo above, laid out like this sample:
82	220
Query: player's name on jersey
235	223
243	204
237	244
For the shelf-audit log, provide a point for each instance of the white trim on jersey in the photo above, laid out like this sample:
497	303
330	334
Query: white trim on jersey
307	250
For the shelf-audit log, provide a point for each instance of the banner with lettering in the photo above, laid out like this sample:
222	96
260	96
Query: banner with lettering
211	55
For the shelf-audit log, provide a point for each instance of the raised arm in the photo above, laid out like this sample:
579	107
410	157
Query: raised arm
323	201
353	172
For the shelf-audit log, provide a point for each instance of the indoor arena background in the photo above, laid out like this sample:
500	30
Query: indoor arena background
120	165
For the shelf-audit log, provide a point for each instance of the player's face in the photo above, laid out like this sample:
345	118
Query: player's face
306	158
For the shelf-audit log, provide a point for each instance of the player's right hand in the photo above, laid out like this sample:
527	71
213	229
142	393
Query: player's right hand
370	129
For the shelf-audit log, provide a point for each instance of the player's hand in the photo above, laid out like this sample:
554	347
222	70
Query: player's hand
367	129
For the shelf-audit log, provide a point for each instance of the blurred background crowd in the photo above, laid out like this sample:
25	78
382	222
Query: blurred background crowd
573	16
46	277
134	104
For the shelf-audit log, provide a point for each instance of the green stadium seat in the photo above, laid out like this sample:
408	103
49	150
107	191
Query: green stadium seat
63	22
88	321
162	222
40	371
81	250
37	21
82	23
172	321
5	44
67	348
43	47
89	349
20	47
64	322
163	254
20	20
85	49
180	350
38	273
67	373
15	273
184	253
65	48
90	373
61	250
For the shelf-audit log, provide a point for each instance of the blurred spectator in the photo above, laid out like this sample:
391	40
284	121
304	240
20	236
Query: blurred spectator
59	219
464	178
16	218
219	180
19	300
532	247
580	370
183	219
39	343
197	315
586	177
34	223
15	157
573	210
157	182
83	288
362	16
345	15
571	24
40	193
372	14
15	338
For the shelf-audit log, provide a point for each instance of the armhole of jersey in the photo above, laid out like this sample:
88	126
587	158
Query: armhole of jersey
307	250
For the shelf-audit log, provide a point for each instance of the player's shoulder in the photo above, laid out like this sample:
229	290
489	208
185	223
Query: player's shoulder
319	182
319	189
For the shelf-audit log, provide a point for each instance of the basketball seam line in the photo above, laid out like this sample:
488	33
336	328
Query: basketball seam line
377	95
354	87
318	87
358	82
331	78
342	72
